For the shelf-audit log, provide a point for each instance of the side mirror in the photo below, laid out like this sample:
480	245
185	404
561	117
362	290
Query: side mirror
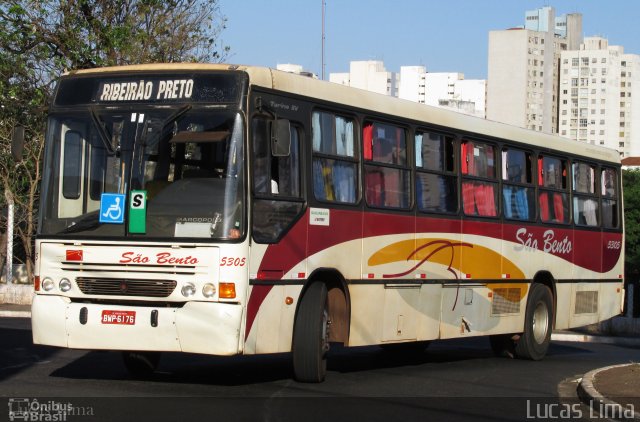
17	143
281	138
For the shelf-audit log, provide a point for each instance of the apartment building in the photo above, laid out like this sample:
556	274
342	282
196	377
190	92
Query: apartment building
522	81
370	75
599	100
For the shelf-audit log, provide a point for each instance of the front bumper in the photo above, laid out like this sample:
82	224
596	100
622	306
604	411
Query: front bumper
197	327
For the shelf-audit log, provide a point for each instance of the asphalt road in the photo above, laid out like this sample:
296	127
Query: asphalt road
452	380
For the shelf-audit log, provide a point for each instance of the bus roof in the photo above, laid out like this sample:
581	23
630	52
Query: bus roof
362	99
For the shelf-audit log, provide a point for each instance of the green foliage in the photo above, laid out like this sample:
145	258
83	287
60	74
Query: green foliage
40	39
631	186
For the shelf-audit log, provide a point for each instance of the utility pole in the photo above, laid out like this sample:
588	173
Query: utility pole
9	260
323	14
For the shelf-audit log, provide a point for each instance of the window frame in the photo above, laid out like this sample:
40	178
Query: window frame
444	173
563	190
292	207
529	183
468	181
578	195
269	194
370	163
353	160
616	198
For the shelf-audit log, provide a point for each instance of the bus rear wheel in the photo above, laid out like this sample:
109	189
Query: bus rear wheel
311	335
141	364
534	341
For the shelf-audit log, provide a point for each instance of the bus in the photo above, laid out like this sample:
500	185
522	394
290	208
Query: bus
226	210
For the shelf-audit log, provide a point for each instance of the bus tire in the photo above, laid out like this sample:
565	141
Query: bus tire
141	364
534	341
311	335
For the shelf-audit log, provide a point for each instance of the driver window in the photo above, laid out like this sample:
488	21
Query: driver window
276	184
274	176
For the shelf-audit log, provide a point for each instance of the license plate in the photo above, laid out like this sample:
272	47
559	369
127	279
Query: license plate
119	317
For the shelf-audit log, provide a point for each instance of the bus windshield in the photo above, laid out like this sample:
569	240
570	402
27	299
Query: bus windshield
187	161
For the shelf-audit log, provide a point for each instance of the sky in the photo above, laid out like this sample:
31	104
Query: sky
442	35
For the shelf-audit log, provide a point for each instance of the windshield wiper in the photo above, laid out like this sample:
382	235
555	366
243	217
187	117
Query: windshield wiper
104	137
88	222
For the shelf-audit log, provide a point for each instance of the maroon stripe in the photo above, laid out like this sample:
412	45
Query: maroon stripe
594	250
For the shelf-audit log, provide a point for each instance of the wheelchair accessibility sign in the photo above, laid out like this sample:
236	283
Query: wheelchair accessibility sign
112	208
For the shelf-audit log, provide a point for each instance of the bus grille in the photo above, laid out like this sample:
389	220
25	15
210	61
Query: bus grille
125	287
586	302
506	301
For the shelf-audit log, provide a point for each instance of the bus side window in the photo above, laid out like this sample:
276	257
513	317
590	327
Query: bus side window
552	197
436	182
518	192
334	163
387	179
478	161
276	184
275	175
610	199
585	204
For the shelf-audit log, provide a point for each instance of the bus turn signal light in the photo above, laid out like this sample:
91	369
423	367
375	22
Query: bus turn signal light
227	291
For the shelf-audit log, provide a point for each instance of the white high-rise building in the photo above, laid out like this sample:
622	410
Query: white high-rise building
474	91
599	85
441	86
370	75
414	83
447	90
295	68
522	82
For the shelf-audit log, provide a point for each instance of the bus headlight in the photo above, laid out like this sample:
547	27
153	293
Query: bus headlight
208	290
65	285
188	290
48	284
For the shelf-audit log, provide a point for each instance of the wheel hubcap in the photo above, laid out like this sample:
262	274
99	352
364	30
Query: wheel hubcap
540	322
325	330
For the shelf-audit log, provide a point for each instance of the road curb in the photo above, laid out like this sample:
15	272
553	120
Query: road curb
586	338
15	314
590	396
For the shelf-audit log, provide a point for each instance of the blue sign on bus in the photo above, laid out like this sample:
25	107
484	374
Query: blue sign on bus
112	208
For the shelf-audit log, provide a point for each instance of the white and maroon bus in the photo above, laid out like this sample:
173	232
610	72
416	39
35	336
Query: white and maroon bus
229	210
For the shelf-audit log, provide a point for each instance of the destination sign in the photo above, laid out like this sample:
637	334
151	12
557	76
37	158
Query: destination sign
212	87
146	90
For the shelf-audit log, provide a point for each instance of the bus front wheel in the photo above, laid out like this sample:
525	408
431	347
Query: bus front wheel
534	341
311	335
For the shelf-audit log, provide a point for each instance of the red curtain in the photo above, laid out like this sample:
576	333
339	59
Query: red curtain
467	158
468	201
544	206
367	136
485	200
540	172
375	188
558	207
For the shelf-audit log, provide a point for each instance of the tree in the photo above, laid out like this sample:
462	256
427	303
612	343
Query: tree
631	184
40	39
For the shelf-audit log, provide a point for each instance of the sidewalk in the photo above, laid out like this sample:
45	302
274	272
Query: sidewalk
15	311
613	390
